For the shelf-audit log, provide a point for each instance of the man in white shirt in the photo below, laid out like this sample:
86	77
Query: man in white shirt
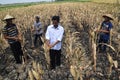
37	29
54	35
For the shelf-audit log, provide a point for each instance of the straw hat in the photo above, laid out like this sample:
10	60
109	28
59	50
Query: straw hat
7	17
109	16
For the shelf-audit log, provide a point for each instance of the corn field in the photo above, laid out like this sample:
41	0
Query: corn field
107	1
80	60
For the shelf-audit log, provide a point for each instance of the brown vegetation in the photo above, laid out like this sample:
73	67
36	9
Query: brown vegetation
80	59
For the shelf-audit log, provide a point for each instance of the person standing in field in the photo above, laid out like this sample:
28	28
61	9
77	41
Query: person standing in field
11	34
38	31
104	32
54	35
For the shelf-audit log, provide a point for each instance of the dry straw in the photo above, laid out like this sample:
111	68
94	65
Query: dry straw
36	75
31	77
36	71
75	18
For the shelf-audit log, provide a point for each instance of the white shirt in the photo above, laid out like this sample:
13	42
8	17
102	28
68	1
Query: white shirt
53	34
38	28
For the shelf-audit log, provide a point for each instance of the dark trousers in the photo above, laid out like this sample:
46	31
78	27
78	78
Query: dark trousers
17	51
101	47
36	37
55	58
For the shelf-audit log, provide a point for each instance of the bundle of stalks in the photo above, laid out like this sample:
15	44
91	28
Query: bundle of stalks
35	72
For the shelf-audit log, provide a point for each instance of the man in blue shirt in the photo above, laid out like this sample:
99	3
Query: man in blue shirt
104	31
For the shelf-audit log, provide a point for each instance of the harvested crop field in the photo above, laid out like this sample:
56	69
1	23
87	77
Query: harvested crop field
80	60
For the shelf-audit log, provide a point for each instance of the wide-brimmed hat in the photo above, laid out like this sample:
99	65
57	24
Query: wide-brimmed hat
8	17
109	16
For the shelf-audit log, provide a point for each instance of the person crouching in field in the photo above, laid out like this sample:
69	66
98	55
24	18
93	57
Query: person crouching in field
54	35
11	34
104	32
37	29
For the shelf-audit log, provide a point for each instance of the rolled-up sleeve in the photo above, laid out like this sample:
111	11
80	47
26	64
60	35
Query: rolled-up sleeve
61	34
47	36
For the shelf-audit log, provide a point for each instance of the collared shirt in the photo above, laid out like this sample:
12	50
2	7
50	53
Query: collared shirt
106	26
38	28
53	34
11	31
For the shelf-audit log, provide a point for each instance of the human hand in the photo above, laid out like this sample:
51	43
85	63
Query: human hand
51	45
16	38
32	30
96	30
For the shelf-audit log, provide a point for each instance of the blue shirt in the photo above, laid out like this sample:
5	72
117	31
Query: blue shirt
106	26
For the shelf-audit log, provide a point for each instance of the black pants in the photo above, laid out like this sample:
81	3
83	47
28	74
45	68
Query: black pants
37	36
103	47
55	58
17	51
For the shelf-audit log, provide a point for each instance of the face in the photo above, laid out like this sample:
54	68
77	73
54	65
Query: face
55	23
37	19
106	18
9	21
